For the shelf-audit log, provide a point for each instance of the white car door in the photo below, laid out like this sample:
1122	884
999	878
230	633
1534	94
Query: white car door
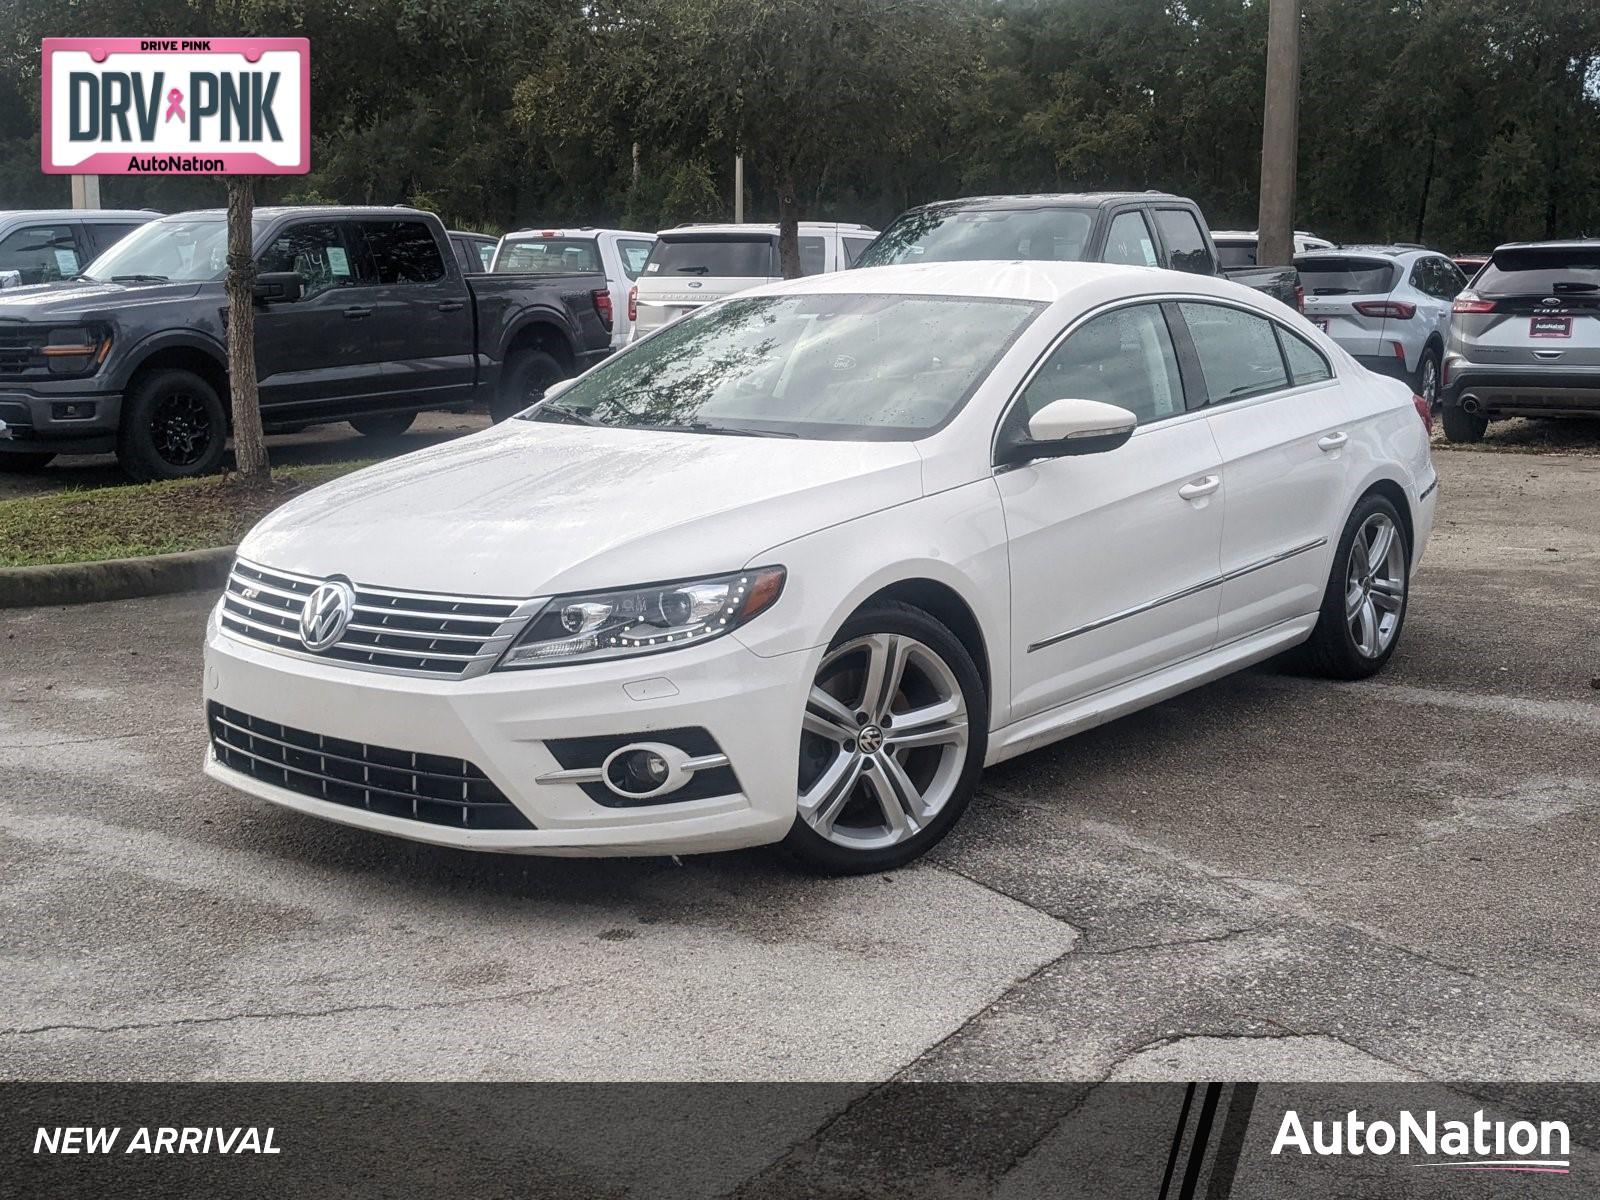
1114	556
1281	422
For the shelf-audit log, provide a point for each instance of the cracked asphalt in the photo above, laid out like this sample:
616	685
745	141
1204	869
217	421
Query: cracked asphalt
1273	878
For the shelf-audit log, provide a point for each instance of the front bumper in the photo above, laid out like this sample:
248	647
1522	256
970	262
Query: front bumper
63	418
501	723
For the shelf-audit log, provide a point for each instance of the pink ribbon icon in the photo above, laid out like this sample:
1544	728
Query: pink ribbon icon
175	105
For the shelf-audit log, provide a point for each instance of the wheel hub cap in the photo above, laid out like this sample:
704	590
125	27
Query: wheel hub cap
870	739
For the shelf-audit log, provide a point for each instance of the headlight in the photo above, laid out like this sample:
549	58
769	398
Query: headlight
77	349
590	626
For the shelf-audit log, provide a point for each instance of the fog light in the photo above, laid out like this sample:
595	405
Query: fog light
644	770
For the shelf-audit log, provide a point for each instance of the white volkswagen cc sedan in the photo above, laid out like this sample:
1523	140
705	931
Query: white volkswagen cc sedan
797	567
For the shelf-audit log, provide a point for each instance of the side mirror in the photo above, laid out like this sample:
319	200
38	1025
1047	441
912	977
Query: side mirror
556	388
277	287
10	279
1068	427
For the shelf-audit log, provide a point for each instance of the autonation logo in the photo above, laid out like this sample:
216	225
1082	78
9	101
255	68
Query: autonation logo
1476	1145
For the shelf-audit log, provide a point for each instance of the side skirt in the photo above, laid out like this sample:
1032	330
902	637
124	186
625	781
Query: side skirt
1099	707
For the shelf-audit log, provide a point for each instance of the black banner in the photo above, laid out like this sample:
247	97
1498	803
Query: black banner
772	1141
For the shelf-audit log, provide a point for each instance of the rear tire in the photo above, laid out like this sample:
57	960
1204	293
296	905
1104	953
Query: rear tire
383	427
1462	426
25	464
1427	381
173	427
1369	589
523	382
882	780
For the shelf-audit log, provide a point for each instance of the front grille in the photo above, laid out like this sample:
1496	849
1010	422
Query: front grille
396	783
413	632
22	350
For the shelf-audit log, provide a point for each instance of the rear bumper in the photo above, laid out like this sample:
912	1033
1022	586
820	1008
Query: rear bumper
1385	364
71	420
1523	391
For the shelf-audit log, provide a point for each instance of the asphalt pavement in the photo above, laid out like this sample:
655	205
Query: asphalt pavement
1273	877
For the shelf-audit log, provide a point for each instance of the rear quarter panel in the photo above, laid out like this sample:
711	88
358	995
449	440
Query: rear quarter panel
1388	441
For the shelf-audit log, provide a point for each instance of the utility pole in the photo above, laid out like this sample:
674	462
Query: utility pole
86	191
1280	129
738	189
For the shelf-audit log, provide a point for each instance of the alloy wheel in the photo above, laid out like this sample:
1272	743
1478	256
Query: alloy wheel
884	743
1430	382
180	428
1375	585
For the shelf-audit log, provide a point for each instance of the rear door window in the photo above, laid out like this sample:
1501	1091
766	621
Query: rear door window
813	256
715	257
1306	364
403	252
1347	276
1237	254
1186	244
549	256
1238	351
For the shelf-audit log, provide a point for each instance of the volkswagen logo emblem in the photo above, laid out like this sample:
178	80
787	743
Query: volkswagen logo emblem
326	613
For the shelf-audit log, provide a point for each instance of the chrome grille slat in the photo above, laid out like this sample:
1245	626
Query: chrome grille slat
299	761
459	636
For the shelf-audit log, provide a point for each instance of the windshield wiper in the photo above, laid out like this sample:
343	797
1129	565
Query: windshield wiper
562	413
694	270
732	430
140	279
1574	285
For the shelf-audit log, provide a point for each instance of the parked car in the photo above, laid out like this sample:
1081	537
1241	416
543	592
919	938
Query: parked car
692	265
1236	248
619	254
798	566
1388	305
1526	338
474	251
1142	229
46	245
365	316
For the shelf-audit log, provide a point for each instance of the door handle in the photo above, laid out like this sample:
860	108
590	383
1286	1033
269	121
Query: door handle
356	311
1200	487
1333	441
448	306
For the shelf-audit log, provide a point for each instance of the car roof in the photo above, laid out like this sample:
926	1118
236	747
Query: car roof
762	227
1577	243
77	214
1050	200
583	231
1394	253
273	211
467	233
1020	279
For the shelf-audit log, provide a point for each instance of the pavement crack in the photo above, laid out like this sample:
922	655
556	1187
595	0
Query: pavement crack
1224	936
282	1014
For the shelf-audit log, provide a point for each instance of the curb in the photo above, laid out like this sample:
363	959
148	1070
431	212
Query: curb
114	578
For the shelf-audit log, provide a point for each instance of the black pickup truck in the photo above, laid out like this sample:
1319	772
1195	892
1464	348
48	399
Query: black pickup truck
363	315
1141	229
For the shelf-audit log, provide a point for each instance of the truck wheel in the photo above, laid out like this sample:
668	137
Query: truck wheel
383	426
173	427
25	464
523	382
1462	426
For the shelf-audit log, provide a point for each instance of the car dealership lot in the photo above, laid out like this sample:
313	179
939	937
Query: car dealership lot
1269	877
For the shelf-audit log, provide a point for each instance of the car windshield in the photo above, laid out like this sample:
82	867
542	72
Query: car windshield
1346	276
843	367
548	256
1543	269
188	249
720	256
973	235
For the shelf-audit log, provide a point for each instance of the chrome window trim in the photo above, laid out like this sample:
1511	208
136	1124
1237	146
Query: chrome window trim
1191	590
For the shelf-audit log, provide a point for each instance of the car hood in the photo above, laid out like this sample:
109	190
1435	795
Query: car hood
534	508
71	298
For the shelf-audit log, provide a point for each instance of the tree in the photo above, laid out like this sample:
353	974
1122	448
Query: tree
249	445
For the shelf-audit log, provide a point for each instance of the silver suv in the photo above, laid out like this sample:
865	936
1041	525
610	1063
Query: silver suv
1526	338
1388	305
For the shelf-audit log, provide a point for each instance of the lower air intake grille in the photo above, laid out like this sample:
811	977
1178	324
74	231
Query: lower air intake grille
396	783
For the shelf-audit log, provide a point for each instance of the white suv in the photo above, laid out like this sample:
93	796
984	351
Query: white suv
618	253
693	265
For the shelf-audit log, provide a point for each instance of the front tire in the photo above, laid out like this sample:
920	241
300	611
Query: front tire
523	383
893	743
1462	426
383	427
1364	606
173	427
